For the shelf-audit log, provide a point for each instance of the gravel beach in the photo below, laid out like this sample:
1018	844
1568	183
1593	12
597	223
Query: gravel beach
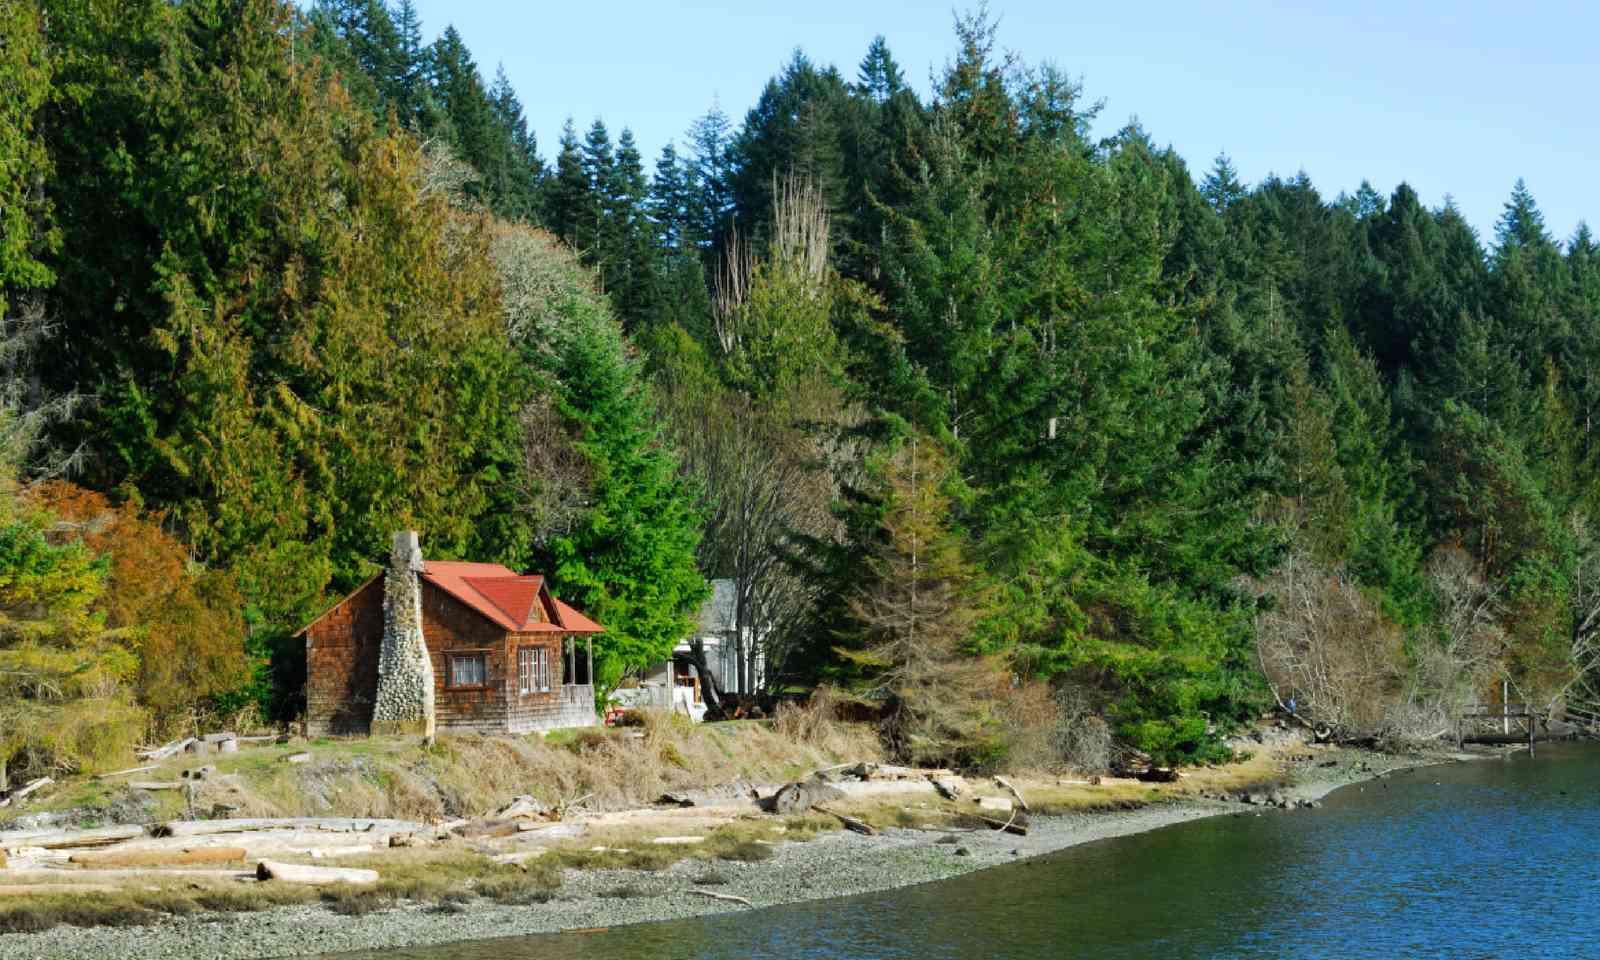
831	865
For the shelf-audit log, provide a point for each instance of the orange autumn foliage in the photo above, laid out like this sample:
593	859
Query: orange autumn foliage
184	620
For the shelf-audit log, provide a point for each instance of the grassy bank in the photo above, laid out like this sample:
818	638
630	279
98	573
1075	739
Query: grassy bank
621	770
471	776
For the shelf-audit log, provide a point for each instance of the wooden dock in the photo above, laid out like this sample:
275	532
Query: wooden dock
1507	723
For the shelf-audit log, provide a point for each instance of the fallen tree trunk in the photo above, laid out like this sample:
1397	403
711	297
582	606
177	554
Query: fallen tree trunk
850	823
1013	825
163	752
131	875
64	839
722	896
121	773
161	858
313	876
21	793
155	785
201	828
1002	781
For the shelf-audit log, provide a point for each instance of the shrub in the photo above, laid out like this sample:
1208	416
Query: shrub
745	851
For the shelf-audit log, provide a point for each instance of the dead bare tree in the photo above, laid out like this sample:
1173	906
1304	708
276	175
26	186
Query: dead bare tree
800	227
1328	646
731	289
556	477
762	483
1448	671
27	411
761	450
1582	689
798	249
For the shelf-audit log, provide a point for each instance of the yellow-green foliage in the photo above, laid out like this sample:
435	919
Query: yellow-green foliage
65	700
183	620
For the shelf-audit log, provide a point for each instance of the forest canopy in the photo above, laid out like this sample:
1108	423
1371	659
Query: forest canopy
996	425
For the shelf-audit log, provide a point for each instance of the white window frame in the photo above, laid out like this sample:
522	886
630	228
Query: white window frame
533	670
482	670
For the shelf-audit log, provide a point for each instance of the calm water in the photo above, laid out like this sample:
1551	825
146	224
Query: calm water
1497	858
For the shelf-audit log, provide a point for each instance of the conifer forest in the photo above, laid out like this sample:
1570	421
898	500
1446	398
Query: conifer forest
1040	446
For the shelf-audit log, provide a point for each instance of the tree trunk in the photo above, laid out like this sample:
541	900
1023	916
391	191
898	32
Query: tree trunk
717	706
741	606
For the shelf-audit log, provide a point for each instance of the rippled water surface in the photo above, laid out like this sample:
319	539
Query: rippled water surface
1498	858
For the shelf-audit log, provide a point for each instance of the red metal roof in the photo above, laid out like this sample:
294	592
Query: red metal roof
516	597
519	604
574	622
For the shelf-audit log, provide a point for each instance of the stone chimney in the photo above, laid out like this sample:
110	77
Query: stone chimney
404	703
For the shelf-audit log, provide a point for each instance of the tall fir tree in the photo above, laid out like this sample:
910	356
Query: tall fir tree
711	201
571	205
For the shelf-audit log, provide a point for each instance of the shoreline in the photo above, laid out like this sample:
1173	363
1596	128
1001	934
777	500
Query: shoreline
833	864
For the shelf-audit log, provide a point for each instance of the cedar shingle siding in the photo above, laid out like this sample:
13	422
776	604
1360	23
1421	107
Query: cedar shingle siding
342	668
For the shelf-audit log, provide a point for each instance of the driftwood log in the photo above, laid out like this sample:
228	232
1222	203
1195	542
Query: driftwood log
202	828
67	839
1002	781
850	823
163	752
139	875
313	876
722	896
160	858
123	773
1013	825
23	791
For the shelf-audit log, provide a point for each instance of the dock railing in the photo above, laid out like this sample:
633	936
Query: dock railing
1517	723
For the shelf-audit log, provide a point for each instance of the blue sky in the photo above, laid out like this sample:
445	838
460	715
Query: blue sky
1459	98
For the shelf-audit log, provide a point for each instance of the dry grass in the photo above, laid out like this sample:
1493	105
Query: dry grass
472	775
451	874
441	876
138	907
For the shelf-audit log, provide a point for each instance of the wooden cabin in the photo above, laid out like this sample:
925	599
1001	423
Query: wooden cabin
506	656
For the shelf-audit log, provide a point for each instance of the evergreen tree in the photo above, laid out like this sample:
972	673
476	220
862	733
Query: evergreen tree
794	128
1521	224
973	95
25	73
415	103
307	364
916	614
629	562
571	205
599	238
458	86
516	169
1221	187
670	201
711	203
879	78
634	271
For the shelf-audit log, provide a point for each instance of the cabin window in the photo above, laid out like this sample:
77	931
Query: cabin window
533	670
468	670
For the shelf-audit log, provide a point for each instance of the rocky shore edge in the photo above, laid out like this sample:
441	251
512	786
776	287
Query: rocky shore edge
833	864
